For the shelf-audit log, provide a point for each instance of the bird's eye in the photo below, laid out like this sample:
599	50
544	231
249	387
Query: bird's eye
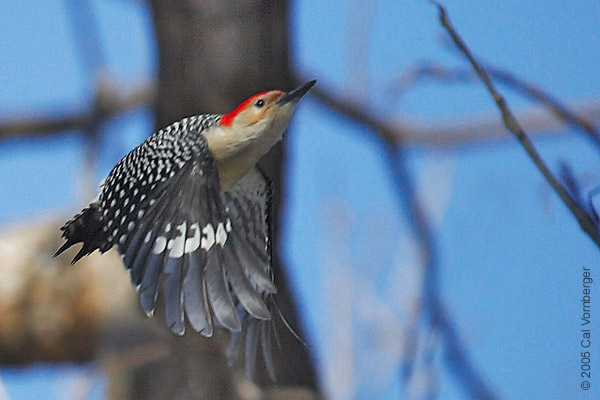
260	103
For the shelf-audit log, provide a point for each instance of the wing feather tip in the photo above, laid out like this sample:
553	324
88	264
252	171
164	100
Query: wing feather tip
257	309
178	329
206	332
205	329
232	322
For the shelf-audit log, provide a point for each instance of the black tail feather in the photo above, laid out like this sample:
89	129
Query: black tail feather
86	228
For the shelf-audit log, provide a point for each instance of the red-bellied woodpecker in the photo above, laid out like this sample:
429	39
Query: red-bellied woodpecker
188	208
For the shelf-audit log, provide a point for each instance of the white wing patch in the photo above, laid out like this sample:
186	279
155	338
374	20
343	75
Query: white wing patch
221	235
192	244
177	245
208	241
180	245
159	245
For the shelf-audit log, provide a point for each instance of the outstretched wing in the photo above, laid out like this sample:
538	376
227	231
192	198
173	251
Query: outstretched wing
206	251
205	248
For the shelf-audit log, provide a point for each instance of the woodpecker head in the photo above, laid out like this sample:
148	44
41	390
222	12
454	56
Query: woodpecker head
265	108
248	132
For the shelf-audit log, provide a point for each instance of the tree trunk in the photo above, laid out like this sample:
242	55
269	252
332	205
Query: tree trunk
212	55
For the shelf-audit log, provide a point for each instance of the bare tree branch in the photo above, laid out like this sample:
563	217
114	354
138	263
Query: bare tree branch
485	129
527	89
414	213
111	103
459	133
456	358
27	125
587	224
384	130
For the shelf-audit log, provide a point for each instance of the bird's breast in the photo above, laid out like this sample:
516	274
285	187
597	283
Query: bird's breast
237	152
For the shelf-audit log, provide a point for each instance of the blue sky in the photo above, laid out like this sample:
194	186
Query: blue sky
510	254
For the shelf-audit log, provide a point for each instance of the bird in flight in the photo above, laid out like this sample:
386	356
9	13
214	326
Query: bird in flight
189	212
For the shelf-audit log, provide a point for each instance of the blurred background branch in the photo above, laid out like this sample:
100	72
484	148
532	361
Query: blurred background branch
582	119
108	102
428	303
459	133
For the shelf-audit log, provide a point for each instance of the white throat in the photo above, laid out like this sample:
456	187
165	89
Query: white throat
237	149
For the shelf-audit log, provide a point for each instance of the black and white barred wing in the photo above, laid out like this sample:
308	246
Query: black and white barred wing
205	251
167	247
174	232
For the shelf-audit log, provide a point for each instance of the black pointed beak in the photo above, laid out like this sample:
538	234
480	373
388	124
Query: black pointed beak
296	94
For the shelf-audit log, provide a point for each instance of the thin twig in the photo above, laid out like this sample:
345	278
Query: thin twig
585	221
